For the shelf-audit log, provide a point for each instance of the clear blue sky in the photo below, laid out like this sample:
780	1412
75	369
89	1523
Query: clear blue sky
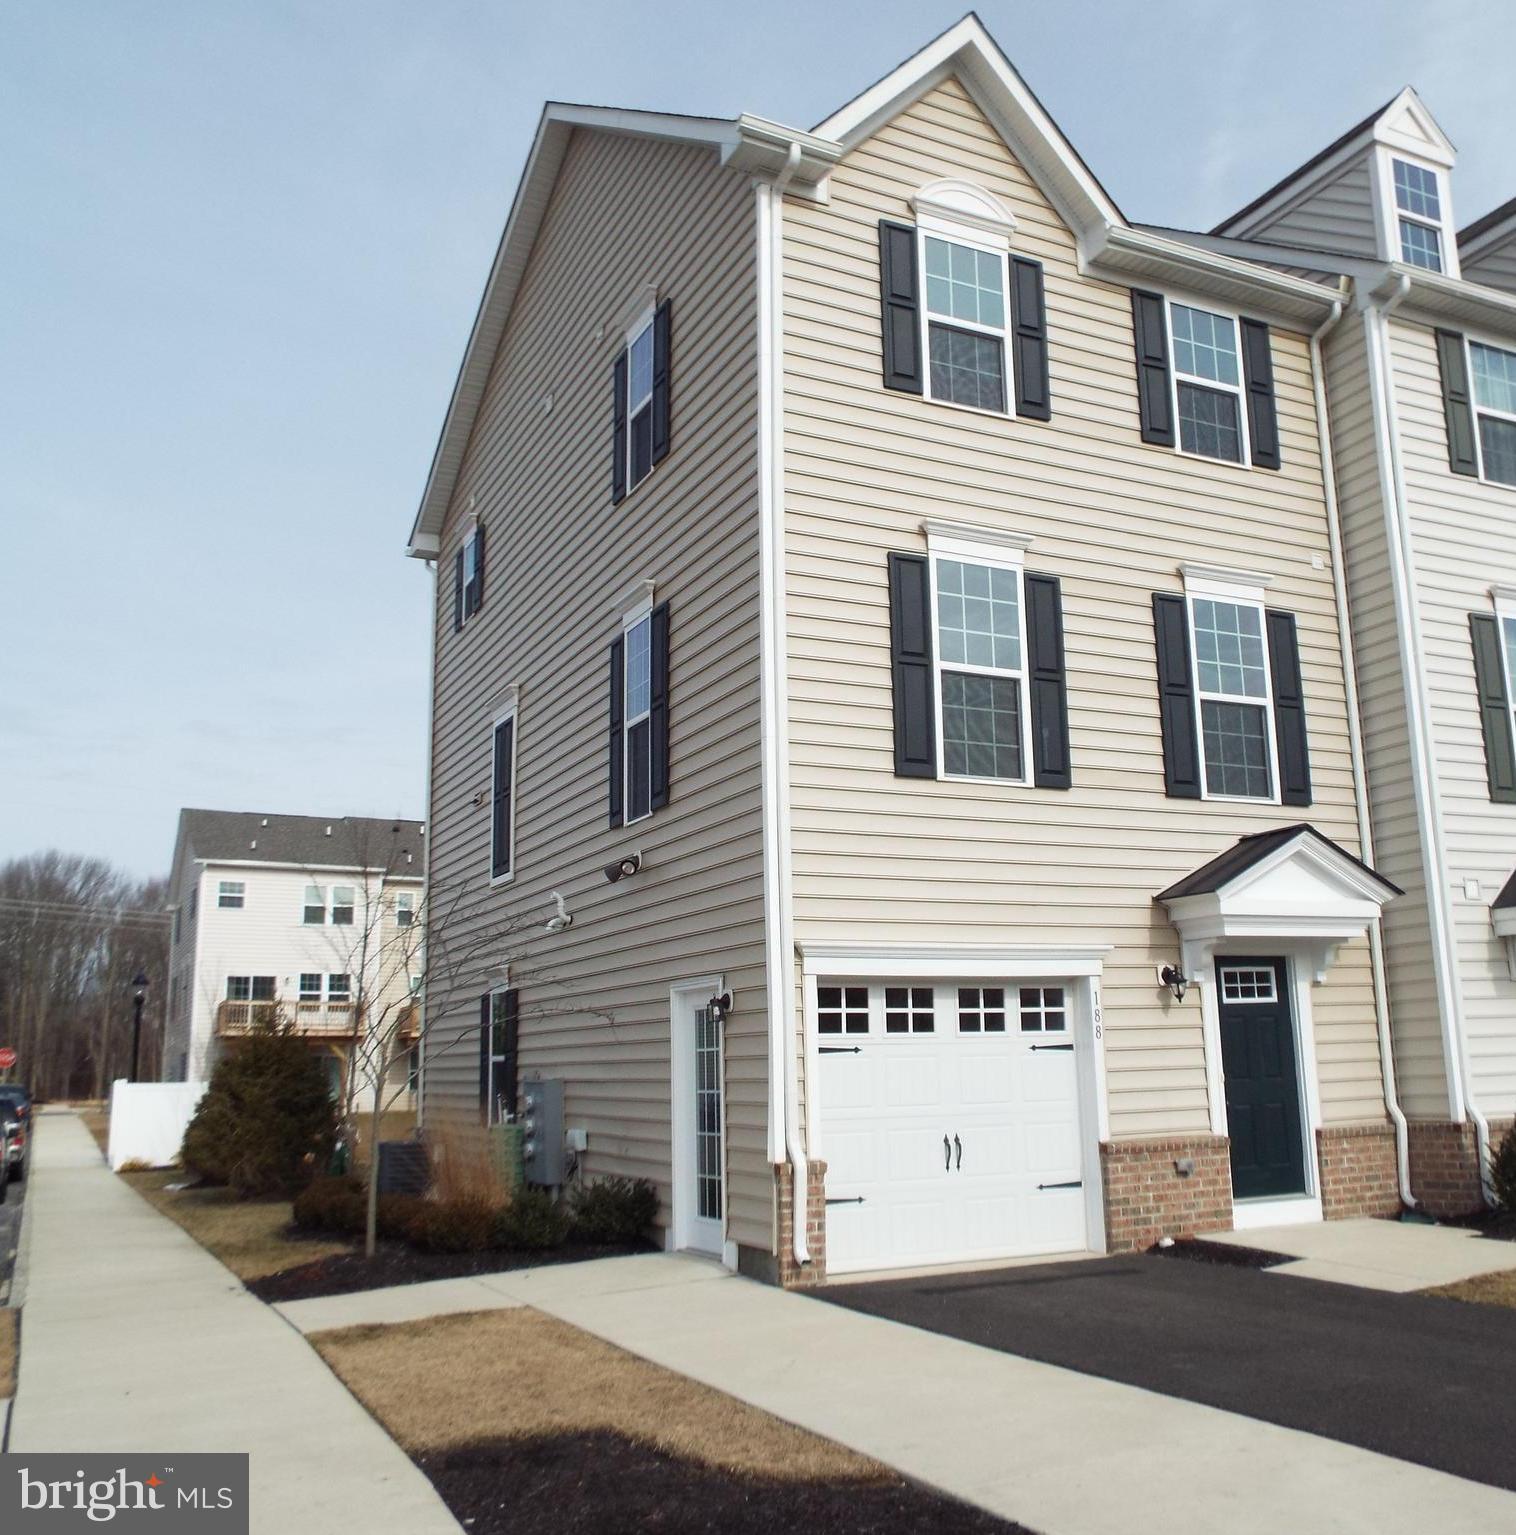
241	245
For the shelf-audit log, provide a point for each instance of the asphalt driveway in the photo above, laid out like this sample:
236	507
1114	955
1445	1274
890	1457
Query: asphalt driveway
1420	1378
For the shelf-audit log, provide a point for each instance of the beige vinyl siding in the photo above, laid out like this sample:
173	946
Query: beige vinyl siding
887	858
1336	216
1495	267
1414	1014
1464	534
595	999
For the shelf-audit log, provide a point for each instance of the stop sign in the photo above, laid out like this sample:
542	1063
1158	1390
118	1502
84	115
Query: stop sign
7	1057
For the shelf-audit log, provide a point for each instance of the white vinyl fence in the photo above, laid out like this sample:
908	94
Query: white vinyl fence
148	1121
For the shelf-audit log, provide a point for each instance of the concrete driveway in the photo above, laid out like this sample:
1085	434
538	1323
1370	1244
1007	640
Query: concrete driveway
1411	1376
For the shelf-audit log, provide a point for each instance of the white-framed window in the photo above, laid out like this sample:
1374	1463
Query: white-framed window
1234	695
471	598
315	906
964	320
639	399
842	1010
1248	983
910	1010
979	655
637	725
405	908
981	1009
1208	392
250	988
1492	375
1044	1010
499	1056
310	986
343	899
339	987
1418	213
231	894
503	795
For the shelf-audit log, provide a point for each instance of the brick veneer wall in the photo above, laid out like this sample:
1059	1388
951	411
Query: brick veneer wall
1359	1175
790	1273
1146	1197
1445	1164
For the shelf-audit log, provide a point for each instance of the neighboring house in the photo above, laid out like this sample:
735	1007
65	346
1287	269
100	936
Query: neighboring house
309	916
1420	373
909	643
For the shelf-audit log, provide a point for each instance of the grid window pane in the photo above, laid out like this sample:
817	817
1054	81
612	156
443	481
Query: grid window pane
342	905
1494	377
238	988
1236	749
964	284
1497	439
639	770
1043	1010
978	615
909	1010
981	1010
842	1009
338	988
1247	983
229	895
981	726
263	988
315	904
1205	344
639	370
967	368
1229	648
639	675
310	986
1210	423
1420	245
1416	190
708	1171
641	435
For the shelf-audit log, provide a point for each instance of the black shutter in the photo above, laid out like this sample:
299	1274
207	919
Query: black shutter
1150	332
1462	455
911	663
899	291
1029	340
1494	708
476	602
1176	699
618	427
1289	710
504	1084
617	770
662	363
484	1056
1263	416
458	591
1049	688
500	800
658	706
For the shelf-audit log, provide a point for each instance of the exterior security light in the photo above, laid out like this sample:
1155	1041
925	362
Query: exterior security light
1176	981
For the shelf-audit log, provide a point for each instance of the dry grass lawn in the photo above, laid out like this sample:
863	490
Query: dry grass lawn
1484	1289
248	1235
7	1352
456	1380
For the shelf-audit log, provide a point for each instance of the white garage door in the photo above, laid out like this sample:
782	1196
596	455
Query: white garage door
950	1122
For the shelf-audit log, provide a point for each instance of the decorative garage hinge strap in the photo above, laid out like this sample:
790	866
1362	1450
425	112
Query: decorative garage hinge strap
857	1199
839	1049
1078	1183
1052	1047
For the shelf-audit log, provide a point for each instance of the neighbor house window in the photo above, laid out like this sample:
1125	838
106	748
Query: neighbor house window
965	323
1207	383
638	755
230	894
1494	374
1233	697
339	988
250	988
639	401
405	909
342	906
315	904
1418	208
310	986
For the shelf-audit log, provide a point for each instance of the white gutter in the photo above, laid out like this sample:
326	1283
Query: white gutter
779	941
1418	712
1355	751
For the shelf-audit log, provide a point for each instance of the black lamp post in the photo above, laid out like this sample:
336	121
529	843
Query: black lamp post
139	996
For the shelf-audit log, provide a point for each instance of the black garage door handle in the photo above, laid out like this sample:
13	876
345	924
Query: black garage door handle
958	1146
947	1154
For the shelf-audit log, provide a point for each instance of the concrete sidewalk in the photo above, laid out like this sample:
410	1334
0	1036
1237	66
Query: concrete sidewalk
1062	1452
135	1338
1399	1256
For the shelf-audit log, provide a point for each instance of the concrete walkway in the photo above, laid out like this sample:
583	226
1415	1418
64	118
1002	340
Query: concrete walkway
1062	1452
1399	1256
135	1338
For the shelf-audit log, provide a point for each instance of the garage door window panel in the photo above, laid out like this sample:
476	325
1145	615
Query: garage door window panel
910	1010
1043	1010
981	1009
842	1010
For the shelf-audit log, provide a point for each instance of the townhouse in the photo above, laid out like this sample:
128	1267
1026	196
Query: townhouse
318	921
892	699
1420	374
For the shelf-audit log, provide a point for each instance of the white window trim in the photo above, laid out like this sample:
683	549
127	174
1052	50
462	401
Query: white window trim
643	322
636	606
306	904
1391	213
1469	343
1245	589
1003	550
333	903
240	894
492	1110
405	900
470	567
301	995
928	223
1208	306
509	710
1504	598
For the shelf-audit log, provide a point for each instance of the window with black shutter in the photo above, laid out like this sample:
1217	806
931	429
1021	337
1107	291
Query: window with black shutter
468	577
642	408
1494	639
639	717
499	1049
502	797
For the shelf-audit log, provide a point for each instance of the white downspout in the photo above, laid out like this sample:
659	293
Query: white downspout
1355	750
779	942
1418	708
432	566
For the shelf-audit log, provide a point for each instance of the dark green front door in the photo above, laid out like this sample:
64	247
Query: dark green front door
1262	1078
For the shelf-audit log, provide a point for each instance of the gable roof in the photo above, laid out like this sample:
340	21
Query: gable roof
309	841
1496	225
1250	850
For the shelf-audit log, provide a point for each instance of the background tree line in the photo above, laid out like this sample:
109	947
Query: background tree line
74	932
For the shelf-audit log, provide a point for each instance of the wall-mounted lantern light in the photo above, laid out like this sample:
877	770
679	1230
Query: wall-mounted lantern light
1176	981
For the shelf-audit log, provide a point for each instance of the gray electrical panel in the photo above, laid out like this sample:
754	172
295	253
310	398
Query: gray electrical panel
542	1131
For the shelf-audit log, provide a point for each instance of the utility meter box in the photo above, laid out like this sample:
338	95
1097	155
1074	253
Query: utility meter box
541	1120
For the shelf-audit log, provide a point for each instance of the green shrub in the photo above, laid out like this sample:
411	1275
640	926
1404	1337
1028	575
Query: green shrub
1503	1171
532	1220
267	1121
451	1225
614	1210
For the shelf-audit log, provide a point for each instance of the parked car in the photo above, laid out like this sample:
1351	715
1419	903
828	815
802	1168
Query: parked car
11	1134
15	1145
17	1100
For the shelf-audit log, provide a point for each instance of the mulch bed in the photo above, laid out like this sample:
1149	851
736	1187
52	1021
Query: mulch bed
601	1483
1226	1254
343	1273
1499	1225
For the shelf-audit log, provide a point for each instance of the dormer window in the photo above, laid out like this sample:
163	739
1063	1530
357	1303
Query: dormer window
1418	207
